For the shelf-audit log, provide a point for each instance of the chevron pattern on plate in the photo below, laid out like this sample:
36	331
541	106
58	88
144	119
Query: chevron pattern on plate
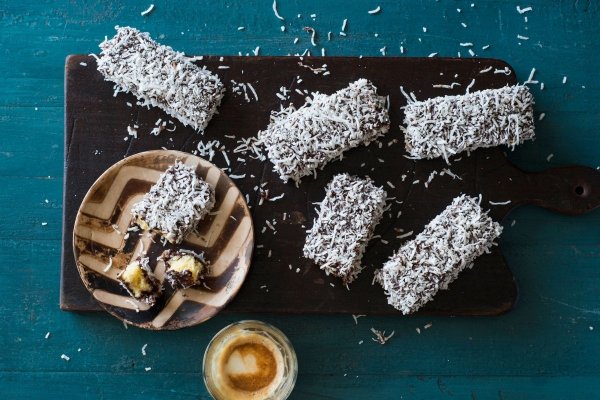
101	238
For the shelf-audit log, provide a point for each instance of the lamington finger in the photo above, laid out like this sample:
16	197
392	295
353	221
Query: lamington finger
299	141
448	125
345	222
160	76
434	258
175	203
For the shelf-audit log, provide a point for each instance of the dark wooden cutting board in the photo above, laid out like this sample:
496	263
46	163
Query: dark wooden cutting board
96	125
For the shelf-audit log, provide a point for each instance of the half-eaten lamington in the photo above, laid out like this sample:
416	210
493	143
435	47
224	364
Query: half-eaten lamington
184	268
139	281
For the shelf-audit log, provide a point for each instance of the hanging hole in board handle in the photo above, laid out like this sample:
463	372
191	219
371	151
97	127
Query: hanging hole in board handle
581	190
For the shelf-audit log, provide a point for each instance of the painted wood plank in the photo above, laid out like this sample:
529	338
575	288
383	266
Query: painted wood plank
66	386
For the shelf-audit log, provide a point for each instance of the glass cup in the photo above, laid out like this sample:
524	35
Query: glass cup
250	360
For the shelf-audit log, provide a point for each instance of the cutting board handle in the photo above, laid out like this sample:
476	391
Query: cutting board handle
570	190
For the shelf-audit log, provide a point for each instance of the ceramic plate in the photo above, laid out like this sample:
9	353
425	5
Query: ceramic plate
100	235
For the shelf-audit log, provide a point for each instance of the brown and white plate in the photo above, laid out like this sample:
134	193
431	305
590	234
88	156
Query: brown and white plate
101	234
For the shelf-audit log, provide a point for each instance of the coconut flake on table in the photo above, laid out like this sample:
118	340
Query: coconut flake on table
277	12
345	223
524	10
132	131
380	336
356	317
277	197
445	126
434	258
147	10
159	76
300	141
375	10
444	86
530	78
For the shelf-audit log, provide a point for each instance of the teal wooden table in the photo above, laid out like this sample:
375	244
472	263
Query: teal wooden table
546	348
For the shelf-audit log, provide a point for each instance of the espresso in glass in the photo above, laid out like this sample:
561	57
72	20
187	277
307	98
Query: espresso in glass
250	360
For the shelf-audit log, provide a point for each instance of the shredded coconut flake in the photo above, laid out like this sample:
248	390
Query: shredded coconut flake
109	265
524	10
276	12
147	10
356	317
375	10
500	203
380	336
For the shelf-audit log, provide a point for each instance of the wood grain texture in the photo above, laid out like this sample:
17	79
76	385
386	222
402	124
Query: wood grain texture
542	349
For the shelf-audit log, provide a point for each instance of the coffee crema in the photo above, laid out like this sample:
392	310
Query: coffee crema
250	363
242	363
